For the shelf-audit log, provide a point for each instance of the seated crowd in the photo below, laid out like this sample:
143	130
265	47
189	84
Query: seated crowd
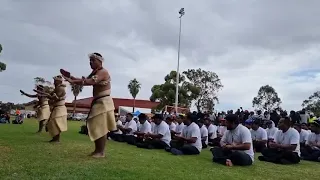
232	140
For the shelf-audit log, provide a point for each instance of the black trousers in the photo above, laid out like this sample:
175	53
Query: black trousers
258	146
310	154
215	142
152	144
279	156
185	149
204	145
239	158
130	139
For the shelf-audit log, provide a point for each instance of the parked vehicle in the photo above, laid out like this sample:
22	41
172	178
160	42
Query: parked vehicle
79	117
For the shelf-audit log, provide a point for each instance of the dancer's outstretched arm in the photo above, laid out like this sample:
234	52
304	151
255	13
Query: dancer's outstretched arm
67	74
28	95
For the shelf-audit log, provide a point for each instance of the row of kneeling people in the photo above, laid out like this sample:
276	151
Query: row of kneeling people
233	143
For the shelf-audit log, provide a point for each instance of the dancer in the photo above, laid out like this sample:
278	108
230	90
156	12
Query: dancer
43	109
57	122
101	117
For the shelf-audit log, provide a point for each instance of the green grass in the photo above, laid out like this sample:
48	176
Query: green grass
25	155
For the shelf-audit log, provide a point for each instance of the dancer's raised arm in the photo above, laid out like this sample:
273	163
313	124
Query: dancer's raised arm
28	95
67	74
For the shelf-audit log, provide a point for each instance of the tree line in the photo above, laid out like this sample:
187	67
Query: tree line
199	87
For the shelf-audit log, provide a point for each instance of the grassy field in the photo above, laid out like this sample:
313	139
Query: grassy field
25	155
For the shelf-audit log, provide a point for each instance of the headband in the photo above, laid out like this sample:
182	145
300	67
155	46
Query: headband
58	78
92	55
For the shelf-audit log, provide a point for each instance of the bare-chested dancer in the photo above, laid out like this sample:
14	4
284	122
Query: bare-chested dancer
101	118
43	109
57	122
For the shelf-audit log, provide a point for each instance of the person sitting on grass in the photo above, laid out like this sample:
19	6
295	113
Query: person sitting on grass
221	129
311	152
271	130
160	137
172	125
189	143
212	132
236	144
114	134
248	123
145	128
5	118
180	125
285	149
303	134
204	134
136	119
259	136
128	130
305	127
18	120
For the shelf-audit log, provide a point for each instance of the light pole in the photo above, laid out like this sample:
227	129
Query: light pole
181	12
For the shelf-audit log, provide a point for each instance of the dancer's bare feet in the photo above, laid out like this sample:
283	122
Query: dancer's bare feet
98	155
229	163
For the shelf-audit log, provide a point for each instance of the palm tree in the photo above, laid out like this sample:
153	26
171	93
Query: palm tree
3	66
76	90
134	87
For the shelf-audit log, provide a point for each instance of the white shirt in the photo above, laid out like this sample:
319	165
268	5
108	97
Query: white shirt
313	138
309	131
304	135
291	136
172	127
222	130
145	127
119	123
138	125
152	126
259	134
192	131
271	132
239	135
212	129
163	129
204	133
131	125
179	128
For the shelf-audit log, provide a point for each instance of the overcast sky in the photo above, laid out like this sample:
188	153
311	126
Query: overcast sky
248	43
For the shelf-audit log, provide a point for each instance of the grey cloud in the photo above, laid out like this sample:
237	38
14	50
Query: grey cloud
47	35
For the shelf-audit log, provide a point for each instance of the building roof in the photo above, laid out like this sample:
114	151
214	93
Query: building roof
86	103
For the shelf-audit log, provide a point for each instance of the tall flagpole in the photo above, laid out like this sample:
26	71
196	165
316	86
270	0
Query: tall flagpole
181	12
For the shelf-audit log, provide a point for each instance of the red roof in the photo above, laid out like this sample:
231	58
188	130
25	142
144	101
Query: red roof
86	102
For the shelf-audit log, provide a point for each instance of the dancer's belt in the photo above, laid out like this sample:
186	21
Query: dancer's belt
43	105
94	101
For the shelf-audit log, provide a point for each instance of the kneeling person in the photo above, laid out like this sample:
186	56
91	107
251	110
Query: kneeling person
160	137
236	144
